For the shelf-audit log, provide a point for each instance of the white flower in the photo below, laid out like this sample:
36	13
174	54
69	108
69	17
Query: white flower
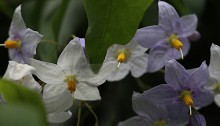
214	73
22	73
57	107
129	57
22	41
72	72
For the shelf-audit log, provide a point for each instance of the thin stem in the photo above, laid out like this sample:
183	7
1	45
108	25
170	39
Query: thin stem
49	41
90	109
79	113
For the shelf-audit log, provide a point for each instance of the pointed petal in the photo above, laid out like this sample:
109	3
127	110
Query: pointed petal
59	117
48	72
167	15
214	67
86	75
28	81
202	98
86	92
136	121
197	119
16	71
58	103
150	36
200	76
135	48
51	90
175	73
157	57
163	94
72	58
145	108
138	65
188	25
17	23
217	100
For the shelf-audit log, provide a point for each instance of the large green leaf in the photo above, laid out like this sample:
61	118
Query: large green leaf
110	22
14	94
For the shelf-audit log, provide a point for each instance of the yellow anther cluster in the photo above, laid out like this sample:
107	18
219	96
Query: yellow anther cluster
177	44
71	86
188	100
12	44
160	123
121	57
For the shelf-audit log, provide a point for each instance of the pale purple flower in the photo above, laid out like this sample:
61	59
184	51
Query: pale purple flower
197	119
130	57
168	39
214	73
185	88
154	115
22	41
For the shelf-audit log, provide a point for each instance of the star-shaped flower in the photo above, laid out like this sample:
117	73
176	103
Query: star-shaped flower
129	57
57	107
214	73
22	73
153	115
168	39
22	41
71	72
185	88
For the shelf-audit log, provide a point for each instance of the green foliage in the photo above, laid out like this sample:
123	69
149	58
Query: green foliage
111	22
23	106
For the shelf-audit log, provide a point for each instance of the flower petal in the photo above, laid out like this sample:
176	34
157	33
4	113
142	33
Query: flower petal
17	24
72	58
58	103
217	100
138	65
214	67
200	76
51	90
197	119
175	73
202	98
163	94
150	36
16	71
188	25
48	72
59	117
28	81
86	92
157	57
136	121
167	15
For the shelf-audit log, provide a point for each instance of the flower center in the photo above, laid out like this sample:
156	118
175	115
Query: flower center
217	88
121	56
160	123
187	99
71	83
12	44
176	43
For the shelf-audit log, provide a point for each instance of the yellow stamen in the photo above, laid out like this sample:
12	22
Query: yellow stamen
176	43
12	44
187	99
71	86
121	58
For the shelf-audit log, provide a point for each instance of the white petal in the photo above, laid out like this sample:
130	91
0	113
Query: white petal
86	92
86	75
58	103
59	117
17	23
214	67
138	65
28	81
48	72
119	73
16	71
51	90
73	57
217	100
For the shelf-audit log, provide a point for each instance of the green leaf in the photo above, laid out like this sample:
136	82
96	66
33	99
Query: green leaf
111	22
17	94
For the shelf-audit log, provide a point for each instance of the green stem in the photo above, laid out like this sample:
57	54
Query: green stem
90	109
79	113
